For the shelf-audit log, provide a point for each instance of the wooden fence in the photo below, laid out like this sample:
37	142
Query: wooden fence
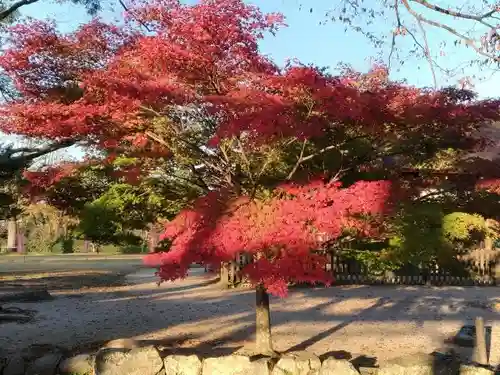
478	267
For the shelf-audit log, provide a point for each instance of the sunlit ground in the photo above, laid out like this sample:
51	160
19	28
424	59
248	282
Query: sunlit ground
195	315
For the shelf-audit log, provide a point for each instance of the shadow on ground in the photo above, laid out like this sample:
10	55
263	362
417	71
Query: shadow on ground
362	324
62	280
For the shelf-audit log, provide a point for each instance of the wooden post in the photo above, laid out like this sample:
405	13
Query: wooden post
224	275
20	242
233	271
480	354
12	235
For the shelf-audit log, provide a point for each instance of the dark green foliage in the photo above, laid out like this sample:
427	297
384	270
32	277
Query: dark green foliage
418	234
423	234
376	262
67	245
123	209
163	245
133	249
74	192
92	6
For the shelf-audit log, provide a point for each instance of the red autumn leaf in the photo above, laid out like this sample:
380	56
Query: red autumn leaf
104	83
282	232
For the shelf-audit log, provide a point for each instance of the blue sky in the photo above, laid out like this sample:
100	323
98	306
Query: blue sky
312	40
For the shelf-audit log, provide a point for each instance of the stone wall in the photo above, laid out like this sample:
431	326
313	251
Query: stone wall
128	358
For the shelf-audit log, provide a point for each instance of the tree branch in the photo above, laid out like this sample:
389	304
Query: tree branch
340	171
428	53
32	153
200	178
299	161
10	10
322	151
9	164
399	25
303	158
432	62
161	141
127	10
426	50
156	138
223	172
262	170
247	162
451	30
202	186
453	13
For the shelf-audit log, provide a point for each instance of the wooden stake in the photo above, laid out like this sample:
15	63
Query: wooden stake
480	354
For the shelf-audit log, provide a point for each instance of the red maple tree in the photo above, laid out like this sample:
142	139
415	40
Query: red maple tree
297	219
195	95
103	83
280	234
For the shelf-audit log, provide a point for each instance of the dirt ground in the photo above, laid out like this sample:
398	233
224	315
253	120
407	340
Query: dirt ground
73	271
196	315
14	264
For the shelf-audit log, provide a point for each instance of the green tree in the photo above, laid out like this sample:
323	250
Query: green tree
13	161
112	203
44	227
424	233
124	209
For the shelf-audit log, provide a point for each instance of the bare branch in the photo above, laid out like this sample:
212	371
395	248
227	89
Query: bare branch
246	160
200	178
468	40
156	138
151	110
424	48
299	161
263	169
224	153
341	170
127	10
202	185
320	152
450	12
161	141
10	10
28	154
303	158
428	53
221	169
399	25
259	175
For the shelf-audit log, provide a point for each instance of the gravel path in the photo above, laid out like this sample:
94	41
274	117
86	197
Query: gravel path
196	315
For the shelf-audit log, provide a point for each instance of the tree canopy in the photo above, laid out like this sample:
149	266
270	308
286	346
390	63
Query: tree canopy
277	163
220	116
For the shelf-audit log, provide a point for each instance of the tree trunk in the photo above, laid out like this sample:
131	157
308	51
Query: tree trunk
263	342
12	235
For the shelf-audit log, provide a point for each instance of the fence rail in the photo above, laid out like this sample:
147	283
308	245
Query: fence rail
477	267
